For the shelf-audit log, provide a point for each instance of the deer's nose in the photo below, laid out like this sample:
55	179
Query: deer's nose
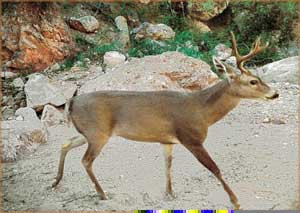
276	95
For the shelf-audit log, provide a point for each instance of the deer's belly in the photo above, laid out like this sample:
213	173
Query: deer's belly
146	134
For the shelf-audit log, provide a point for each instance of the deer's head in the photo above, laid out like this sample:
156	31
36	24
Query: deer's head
243	83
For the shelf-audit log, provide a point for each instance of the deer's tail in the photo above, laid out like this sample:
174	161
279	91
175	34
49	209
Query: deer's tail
67	115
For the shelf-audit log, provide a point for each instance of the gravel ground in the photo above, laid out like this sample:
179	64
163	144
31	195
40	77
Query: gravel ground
255	147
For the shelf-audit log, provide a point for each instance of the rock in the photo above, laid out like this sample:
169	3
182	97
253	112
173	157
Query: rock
40	91
153	31
95	68
18	83
231	61
267	120
86	60
51	116
35	42
19	118
8	75
122	26
53	68
206	10
23	135
285	70
200	26
167	71
222	52
113	58
86	24
144	1
278	121
7	112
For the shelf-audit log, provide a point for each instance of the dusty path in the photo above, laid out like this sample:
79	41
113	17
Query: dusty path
259	160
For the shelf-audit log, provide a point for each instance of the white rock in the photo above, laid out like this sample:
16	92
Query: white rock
231	61
40	91
285	70
222	51
113	58
51	116
8	75
88	24
153	31
22	136
95	68
27	113
122	26
54	67
267	120
19	118
18	83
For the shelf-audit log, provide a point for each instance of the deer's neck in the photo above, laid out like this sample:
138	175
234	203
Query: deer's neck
217	101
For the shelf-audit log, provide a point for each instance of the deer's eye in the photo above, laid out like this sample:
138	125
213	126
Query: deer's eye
254	82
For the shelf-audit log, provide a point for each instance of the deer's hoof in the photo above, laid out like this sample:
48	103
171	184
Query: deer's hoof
170	196
237	206
103	197
55	184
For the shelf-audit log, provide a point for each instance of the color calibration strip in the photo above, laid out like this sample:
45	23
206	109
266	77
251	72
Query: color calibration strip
184	211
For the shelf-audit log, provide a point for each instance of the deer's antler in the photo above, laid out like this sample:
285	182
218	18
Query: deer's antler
240	60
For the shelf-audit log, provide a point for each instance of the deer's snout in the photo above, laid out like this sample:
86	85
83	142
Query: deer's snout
273	96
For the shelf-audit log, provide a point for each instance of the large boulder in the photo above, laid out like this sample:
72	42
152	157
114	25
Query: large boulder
207	9
86	24
40	91
22	135
31	40
285	70
153	31
167	71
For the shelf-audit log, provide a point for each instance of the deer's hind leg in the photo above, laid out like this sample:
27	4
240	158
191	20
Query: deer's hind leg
95	145
194	144
168	148
74	142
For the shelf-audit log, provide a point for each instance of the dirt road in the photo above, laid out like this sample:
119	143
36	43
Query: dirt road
257	156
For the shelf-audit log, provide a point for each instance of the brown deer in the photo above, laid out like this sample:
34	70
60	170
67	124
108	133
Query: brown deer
167	117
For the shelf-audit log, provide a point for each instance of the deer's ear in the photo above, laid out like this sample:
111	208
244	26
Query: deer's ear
221	69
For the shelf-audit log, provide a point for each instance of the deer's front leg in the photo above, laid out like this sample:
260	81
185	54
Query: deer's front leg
195	146
168	148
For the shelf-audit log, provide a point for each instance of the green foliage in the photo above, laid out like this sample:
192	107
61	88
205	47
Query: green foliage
169	16
188	42
176	22
150	47
90	51
272	21
208	5
273	18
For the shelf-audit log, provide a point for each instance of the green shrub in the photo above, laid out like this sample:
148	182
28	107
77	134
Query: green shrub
90	51
274	22
185	42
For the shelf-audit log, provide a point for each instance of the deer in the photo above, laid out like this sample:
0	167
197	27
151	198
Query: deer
165	117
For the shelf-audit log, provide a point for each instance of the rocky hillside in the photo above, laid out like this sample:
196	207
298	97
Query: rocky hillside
38	35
